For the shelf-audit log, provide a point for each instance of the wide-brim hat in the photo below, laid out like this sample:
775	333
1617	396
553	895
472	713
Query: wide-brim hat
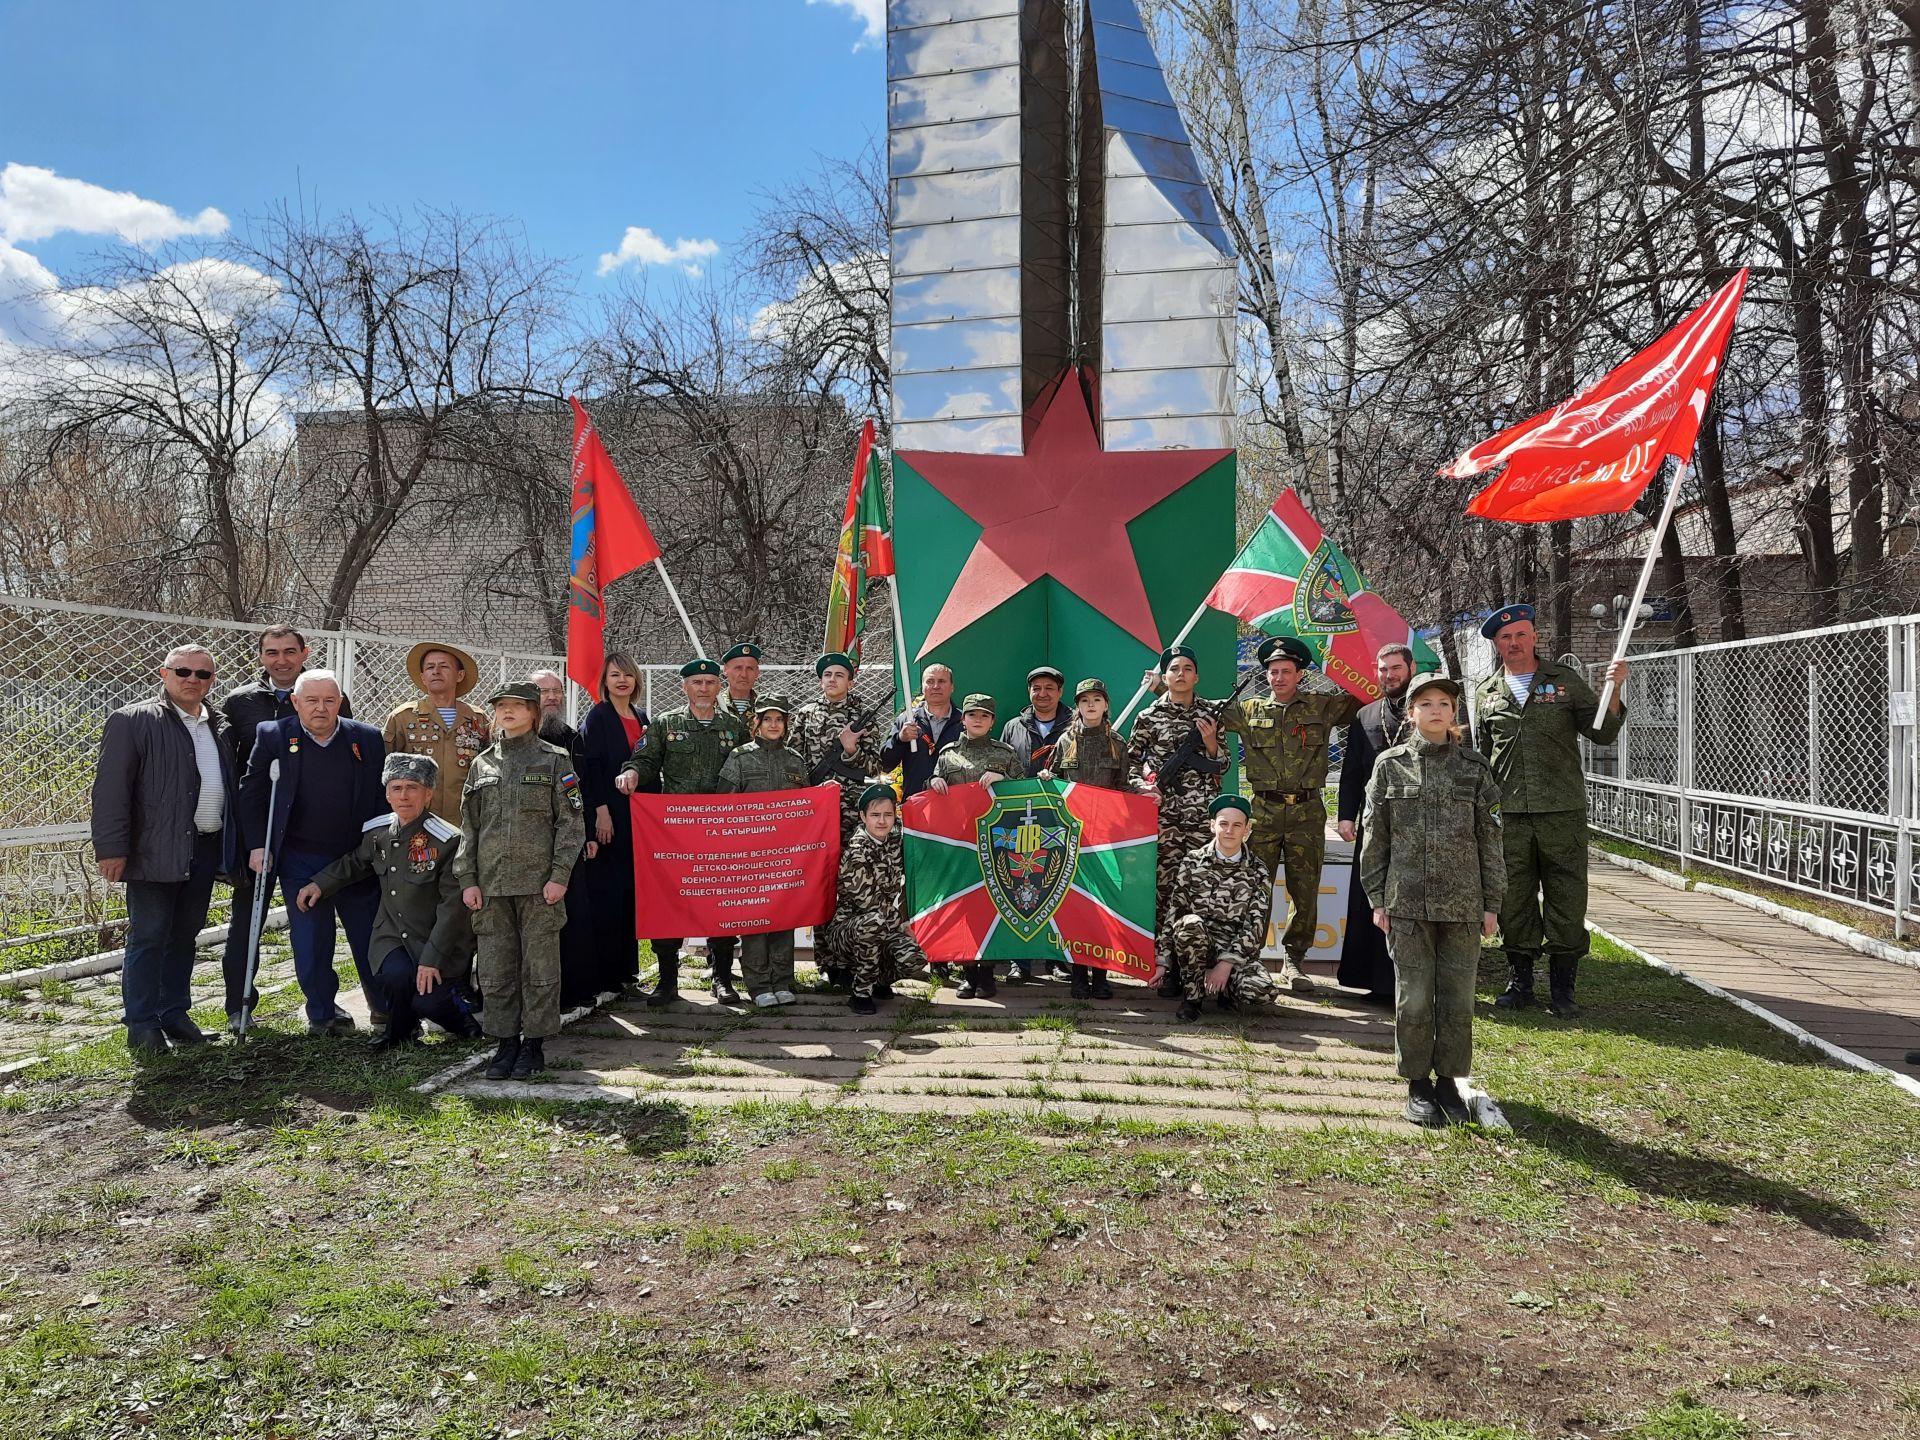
427	647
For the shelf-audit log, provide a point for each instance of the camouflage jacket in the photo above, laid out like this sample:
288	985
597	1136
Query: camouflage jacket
1285	747
420	907
966	760
1234	898
757	766
520	821
873	877
1431	848
1535	748
1158	731
1091	757
816	739
682	754
735	708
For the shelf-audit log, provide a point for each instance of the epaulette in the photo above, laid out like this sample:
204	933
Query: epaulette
379	822
440	829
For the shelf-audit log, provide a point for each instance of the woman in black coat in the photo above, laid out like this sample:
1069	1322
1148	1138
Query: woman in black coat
608	735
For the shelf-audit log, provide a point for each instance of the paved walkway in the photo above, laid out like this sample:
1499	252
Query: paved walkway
1868	1006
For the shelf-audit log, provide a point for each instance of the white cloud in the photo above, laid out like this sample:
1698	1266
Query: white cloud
36	203
640	246
871	13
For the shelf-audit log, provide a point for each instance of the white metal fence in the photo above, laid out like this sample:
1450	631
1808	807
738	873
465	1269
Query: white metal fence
1789	759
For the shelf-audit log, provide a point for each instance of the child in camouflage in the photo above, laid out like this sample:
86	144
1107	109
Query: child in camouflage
870	924
1217	916
1432	855
766	763
1090	752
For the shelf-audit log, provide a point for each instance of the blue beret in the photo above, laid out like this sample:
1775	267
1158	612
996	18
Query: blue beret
1506	615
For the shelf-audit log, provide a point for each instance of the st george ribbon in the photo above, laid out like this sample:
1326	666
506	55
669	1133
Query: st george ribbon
1062	346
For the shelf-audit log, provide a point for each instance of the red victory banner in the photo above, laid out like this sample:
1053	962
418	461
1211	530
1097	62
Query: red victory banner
735	864
610	539
1033	870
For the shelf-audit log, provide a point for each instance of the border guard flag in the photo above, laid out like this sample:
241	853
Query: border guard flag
610	539
866	552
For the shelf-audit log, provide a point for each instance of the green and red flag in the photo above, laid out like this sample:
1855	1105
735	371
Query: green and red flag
1290	579
866	551
1033	870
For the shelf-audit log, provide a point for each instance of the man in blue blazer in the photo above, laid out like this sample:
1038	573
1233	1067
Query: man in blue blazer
328	792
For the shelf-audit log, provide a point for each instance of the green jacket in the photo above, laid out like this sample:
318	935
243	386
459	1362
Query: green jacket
967	759
683	755
420	907
1534	749
758	766
1431	838
520	818
1284	747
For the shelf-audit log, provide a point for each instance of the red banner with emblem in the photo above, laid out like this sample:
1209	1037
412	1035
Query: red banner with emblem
735	864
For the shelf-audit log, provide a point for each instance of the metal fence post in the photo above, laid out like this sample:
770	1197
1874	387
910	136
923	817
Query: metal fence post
1900	767
343	664
1683	750
1813	732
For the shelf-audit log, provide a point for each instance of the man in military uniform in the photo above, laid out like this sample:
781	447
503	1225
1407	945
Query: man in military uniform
521	830
1175	752
1216	922
1284	746
1532	716
440	723
741	668
422	946
832	749
976	758
682	754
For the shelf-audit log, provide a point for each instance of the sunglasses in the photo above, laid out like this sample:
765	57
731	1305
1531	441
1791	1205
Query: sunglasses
185	674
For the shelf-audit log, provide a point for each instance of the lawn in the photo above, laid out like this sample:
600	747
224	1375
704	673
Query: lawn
1695	1229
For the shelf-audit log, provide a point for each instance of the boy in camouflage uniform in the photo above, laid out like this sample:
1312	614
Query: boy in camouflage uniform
521	829
1431	858
682	754
1090	752
871	920
1217	920
765	763
822	732
976	758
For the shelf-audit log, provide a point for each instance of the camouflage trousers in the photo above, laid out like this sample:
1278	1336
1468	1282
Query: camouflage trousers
1296	836
1195	953
1546	905
1183	829
829	950
1435	964
877	950
518	964
766	962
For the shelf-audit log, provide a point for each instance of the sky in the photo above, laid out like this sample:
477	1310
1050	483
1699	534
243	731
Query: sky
623	137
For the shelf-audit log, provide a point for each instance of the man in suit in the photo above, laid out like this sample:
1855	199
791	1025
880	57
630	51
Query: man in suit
329	788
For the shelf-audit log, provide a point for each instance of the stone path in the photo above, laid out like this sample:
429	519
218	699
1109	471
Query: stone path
1870	1007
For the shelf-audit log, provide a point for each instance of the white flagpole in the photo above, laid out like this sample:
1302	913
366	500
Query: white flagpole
1646	577
900	644
673	594
1141	693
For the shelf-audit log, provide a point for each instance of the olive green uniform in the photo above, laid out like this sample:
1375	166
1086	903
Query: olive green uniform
521	828
967	760
1284	750
766	959
1431	853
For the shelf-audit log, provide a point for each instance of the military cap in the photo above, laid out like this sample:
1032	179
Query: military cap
702	666
1433	680
977	701
769	703
1177	652
1230	802
835	657
400	765
1285	647
1506	615
1047	672
426	647
879	790
1090	687
524	691
745	650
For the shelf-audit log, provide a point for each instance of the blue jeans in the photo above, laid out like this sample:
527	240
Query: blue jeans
396	987
163	917
311	931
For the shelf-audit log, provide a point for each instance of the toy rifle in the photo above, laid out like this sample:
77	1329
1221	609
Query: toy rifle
836	764
1191	753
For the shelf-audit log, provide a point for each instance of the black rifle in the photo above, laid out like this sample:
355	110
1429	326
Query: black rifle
1191	753
835	763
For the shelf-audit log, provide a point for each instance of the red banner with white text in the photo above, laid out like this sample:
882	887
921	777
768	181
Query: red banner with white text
735	864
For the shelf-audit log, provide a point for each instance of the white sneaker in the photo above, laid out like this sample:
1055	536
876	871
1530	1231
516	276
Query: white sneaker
766	1001
784	997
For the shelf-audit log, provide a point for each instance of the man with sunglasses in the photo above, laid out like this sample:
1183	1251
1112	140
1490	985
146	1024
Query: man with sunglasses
163	824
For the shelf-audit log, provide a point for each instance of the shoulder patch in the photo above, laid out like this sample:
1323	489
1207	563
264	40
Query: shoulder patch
440	829
379	822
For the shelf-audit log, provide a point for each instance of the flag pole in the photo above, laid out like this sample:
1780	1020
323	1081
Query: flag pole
900	645
1141	693
673	594
1646	577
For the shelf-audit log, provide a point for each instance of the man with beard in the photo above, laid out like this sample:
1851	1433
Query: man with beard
1364	962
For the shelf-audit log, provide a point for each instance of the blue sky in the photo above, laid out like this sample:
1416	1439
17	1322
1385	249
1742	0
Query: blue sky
577	121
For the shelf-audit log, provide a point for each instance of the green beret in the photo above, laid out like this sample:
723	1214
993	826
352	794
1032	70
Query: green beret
701	666
1177	652
519	690
771	703
1046	672
977	701
1091	687
745	650
1285	647
1230	802
821	665
879	790
1433	680
1506	615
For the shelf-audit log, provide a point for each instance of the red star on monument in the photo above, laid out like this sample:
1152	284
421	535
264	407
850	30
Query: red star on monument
1061	509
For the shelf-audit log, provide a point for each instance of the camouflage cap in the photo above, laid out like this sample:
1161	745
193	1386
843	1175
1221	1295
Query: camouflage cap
830	659
773	704
745	650
1091	687
879	790
1230	802
702	666
1285	647
400	765
1433	680
1506	615
523	690
1177	652
979	700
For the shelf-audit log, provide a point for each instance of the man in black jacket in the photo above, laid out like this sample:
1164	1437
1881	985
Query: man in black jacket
283	656
1364	962
163	822
923	732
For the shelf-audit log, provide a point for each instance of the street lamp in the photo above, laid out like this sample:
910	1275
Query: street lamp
1618	611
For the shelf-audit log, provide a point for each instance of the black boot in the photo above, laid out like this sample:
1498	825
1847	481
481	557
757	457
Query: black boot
720	961
983	982
667	989
531	1059
1170	986
1081	989
1189	1011
1101	988
861	1004
1453	1105
1519	992
504	1054
1422	1108
1562	970
965	990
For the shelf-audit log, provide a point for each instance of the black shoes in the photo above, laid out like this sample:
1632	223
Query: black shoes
147	1040
862	1004
183	1032
965	989
1422	1109
531	1060
1100	987
1081	989
724	992
666	989
1189	1011
984	985
389	1038
341	1023
1019	972
1170	987
1519	992
1446	1093
504	1056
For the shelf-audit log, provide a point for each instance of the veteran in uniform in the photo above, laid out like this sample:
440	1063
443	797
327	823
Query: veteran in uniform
1532	716
682	754
1216	922
440	723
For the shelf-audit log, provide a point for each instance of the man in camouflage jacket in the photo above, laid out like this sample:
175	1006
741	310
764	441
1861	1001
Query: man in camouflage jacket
871	920
831	749
764	763
1216	922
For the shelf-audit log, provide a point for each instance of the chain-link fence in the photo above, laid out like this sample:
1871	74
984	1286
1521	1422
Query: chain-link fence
1788	758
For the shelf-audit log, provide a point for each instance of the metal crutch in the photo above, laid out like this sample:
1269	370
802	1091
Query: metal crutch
260	889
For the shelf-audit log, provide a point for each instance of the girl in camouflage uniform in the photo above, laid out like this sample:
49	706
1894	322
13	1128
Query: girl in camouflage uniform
765	763
871	922
1090	752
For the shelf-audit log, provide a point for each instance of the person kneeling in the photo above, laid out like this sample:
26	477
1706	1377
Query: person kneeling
871	920
765	763
1433	855
1217	919
521	829
422	944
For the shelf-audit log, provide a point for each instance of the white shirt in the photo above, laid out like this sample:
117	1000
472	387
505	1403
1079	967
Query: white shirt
209	810
1521	686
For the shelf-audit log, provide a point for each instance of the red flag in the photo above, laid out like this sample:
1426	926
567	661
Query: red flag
1596	453
610	538
865	552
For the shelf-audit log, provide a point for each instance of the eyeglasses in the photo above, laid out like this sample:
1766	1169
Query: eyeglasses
185	674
